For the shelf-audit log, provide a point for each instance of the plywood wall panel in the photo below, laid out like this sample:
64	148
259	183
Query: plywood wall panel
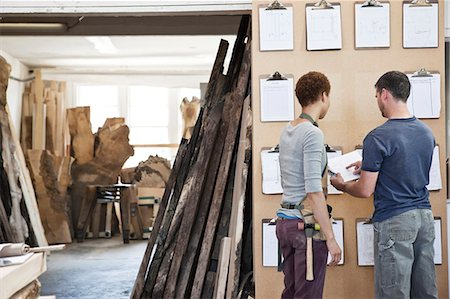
353	113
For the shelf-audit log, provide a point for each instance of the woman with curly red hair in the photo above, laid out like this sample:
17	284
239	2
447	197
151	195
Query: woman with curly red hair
303	163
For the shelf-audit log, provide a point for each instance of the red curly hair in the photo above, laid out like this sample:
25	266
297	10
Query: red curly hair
310	86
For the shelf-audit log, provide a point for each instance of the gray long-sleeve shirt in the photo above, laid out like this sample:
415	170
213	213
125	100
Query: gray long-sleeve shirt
302	161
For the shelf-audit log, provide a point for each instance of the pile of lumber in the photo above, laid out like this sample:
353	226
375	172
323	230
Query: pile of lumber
19	216
196	244
43	124
44	140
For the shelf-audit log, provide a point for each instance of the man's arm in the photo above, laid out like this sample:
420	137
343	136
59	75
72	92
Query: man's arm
364	187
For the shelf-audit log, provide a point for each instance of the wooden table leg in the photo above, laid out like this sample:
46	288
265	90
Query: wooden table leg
125	196
87	207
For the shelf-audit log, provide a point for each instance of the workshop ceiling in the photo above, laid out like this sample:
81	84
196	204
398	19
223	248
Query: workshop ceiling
170	45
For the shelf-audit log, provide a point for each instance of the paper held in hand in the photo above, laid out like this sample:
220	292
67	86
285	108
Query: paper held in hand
339	164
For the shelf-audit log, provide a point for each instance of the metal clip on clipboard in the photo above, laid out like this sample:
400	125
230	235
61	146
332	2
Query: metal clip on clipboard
276	76
372	3
419	3
422	73
275	5
323	4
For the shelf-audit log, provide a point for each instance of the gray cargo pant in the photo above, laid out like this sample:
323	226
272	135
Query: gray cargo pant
404	256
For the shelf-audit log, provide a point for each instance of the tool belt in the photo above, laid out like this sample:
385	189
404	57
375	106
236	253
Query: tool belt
308	216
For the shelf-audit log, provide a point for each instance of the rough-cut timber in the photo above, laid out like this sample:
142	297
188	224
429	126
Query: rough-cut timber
51	199
139	283
237	98
111	150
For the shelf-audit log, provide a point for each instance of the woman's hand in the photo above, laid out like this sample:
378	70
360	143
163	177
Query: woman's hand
335	252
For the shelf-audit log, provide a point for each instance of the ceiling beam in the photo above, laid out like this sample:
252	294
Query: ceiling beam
158	7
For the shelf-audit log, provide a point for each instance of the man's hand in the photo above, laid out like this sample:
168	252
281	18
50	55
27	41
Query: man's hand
338	182
357	166
335	252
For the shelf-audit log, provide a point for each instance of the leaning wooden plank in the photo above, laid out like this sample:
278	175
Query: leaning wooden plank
6	232
222	271
52	205
82	139
26	123
28	189
50	129
184	283
60	123
190	197
170	211
238	50
139	283
236	219
39	114
216	75
221	230
238	96
9	163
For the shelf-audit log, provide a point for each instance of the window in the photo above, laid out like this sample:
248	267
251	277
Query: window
152	114
103	100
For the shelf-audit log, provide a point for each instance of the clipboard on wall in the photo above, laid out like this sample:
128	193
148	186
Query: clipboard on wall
271	172
372	24
276	27
364	236
338	229
277	97
435	172
323	26
438	241
271	253
421	24
424	100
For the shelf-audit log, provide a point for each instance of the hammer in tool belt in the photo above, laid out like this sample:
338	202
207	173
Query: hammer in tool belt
310	229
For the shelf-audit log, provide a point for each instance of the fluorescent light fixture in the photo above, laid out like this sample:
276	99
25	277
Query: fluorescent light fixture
33	26
103	44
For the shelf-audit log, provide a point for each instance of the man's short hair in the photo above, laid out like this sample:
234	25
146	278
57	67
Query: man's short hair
396	83
310	86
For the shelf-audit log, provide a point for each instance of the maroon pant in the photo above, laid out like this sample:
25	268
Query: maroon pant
293	247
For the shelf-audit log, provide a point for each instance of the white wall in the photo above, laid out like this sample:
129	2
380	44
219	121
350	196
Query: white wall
15	88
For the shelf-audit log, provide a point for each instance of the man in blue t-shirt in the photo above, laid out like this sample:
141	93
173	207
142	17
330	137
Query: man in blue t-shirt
395	168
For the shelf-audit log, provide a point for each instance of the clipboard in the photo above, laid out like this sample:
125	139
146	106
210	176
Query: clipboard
338	229
276	27
332	152
277	97
424	100
420	24
438	240
365	238
372	25
271	253
323	26
435	172
271	173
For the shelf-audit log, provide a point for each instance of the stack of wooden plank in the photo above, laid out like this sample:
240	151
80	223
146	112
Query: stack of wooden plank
203	202
44	139
19	216
43	124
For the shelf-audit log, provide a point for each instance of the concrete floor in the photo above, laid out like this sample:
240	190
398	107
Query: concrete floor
96	268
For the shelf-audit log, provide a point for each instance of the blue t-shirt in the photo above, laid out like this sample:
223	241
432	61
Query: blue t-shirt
401	151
